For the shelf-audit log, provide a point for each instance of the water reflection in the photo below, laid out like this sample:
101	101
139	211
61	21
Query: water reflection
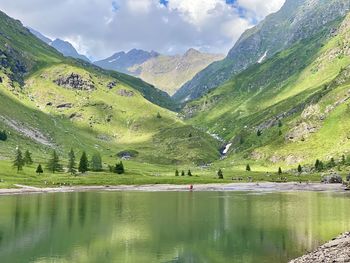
168	227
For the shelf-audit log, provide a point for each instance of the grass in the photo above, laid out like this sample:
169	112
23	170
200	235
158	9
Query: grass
141	174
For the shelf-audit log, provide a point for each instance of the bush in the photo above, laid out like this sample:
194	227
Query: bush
3	135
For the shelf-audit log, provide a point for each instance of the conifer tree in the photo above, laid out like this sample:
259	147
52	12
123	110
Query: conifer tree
18	162
343	159
96	162
159	116
182	173
54	163
258	133
119	168
220	174
331	163
279	132
280	123
28	158
176	172
84	163
248	168
71	162
279	170
300	169
39	170
189	173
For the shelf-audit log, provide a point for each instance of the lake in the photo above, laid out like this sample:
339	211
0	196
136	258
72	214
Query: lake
168	226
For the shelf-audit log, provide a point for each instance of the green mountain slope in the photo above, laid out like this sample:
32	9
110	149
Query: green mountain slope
169	73
297	101
297	20
48	101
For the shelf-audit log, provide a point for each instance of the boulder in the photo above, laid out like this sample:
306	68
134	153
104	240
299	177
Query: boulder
332	178
75	81
125	93
64	105
111	84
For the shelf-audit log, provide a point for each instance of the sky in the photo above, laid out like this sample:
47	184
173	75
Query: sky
99	28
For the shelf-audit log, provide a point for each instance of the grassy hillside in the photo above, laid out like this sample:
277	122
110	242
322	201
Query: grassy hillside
51	102
297	100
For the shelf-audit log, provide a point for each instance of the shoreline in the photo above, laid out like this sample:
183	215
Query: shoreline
336	250
232	187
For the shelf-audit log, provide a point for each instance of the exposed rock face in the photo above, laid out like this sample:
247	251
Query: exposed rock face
337	250
302	131
75	81
125	93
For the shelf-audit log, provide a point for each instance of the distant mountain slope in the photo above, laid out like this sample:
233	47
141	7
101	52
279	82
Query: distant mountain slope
63	47
169	73
297	20
48	101
67	49
122	61
291	109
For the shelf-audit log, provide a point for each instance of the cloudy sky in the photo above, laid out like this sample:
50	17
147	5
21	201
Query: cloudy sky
99	28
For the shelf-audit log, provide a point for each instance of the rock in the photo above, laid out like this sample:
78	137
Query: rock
125	93
301	131
75	81
49	104
64	105
337	250
333	178
312	111
111	84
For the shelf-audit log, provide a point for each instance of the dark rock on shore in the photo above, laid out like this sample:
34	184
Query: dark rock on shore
337	250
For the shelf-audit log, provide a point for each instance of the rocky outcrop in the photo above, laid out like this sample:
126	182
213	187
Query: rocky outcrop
301	131
112	84
75	81
64	106
332	178
337	250
125	93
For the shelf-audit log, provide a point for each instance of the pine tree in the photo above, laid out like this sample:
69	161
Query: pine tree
248	168
317	164
71	162
300	169
331	163
182	173
279	133
159	116
343	159
258	133
18	161
96	163
54	163
119	168
279	170
28	158
176	172
84	163
189	173
280	123
220	174
39	170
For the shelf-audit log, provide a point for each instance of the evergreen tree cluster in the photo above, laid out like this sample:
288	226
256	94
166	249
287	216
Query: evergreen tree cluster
3	135
21	160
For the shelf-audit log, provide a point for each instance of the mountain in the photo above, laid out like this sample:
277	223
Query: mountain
293	107
169	73
122	61
40	36
61	46
297	20
48	101
67	49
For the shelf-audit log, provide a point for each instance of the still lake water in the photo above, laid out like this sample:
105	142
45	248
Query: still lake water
168	226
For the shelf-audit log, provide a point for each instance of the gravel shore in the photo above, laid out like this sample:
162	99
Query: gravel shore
337	250
261	187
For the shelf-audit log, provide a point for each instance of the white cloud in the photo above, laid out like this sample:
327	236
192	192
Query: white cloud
99	28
